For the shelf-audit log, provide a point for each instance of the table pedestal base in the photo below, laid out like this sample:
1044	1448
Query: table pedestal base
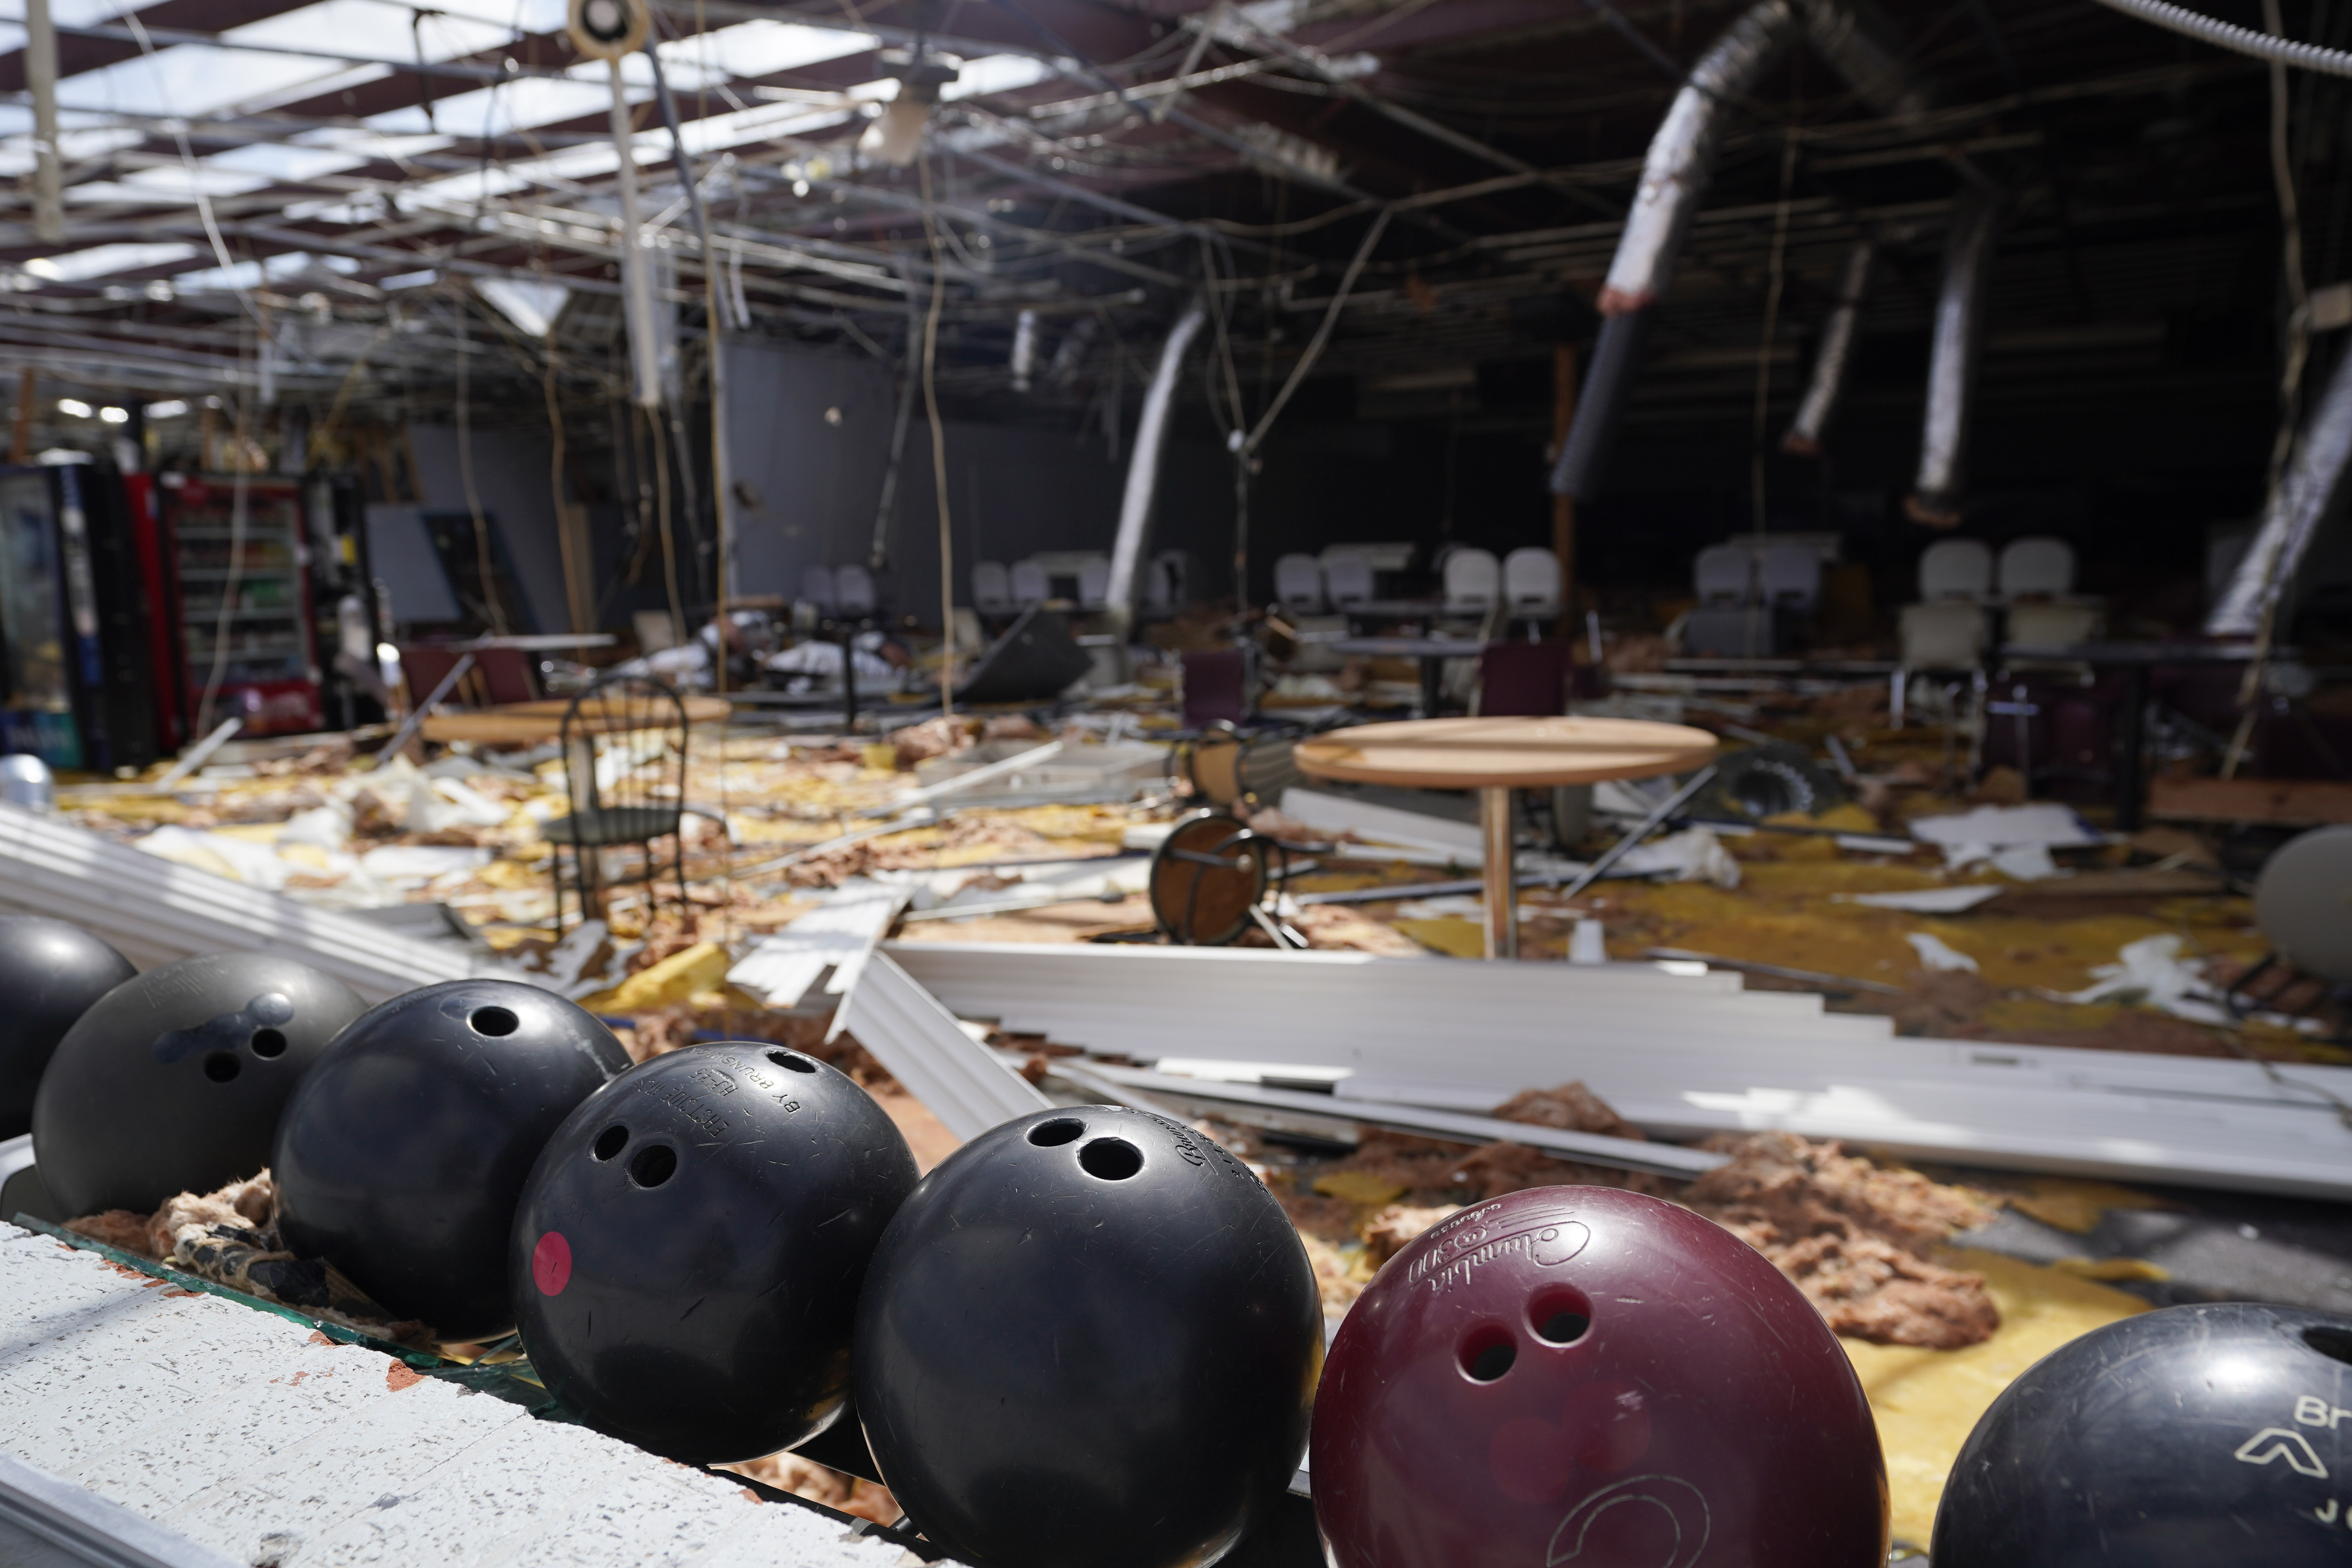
1502	908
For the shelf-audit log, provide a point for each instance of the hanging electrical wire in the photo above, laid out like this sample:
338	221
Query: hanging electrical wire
938	445
2240	40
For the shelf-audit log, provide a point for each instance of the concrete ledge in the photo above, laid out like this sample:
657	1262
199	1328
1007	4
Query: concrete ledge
235	1433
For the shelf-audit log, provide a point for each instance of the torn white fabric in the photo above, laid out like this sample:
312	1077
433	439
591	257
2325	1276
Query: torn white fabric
1969	837
1934	954
2027	863
1693	854
2152	973
1928	901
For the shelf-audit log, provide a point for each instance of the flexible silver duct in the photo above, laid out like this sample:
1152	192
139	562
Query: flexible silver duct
1835	360
1861	45
1143	462
1600	407
1681	160
2313	491
1952	367
1675	177
2243	40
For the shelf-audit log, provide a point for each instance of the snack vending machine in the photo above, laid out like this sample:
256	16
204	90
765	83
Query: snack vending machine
236	552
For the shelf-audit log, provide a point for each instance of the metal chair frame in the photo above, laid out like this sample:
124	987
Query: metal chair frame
2241	1001
643	816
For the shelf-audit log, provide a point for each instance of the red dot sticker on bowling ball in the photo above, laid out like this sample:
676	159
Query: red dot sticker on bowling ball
550	1264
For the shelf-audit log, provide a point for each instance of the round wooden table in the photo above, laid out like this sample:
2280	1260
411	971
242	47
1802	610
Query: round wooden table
531	723
1495	756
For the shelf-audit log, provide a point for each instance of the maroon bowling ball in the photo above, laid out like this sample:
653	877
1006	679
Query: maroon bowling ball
1591	1379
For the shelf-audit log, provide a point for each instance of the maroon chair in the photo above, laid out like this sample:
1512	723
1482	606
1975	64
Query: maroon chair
1522	680
1216	686
425	665
506	674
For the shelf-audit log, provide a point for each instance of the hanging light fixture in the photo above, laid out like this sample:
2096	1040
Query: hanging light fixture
897	134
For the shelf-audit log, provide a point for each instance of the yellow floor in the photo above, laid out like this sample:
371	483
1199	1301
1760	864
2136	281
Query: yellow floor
1927	1402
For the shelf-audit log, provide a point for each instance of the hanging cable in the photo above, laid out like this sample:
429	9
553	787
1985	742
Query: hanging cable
939	447
2240	40
715	325
1779	278
195	184
2298	354
668	535
1322	335
495	611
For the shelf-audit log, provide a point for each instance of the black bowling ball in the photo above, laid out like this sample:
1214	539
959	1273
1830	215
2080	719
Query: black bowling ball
402	1158
688	1256
1089	1339
172	1081
51	974
2186	1439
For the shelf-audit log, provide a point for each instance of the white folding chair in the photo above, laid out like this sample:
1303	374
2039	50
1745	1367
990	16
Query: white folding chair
853	588
1029	585
1298	584
1723	574
1531	582
1474	580
1093	584
992	589
1789	573
2037	568
2043	624
1955	569
1348	582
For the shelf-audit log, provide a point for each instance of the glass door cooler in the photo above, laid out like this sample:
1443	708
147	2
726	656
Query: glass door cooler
239	560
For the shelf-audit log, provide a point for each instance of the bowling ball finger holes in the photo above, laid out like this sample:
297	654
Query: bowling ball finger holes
2334	1344
1560	1317
609	1143
654	1164
1051	1134
268	1043
791	1063
1488	1353
1110	1159
222	1066
496	1022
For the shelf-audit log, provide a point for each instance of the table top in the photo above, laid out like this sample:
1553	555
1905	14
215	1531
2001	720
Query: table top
1409	648
538	642
1513	753
2148	652
528	723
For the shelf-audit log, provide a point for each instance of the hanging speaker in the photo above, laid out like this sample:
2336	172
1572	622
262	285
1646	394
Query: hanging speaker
608	29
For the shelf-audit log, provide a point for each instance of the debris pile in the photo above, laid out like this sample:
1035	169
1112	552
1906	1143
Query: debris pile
230	1237
1855	1236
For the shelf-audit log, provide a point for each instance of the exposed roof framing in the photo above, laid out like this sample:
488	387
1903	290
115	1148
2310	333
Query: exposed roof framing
371	165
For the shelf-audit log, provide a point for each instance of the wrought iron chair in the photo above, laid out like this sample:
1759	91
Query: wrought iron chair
623	739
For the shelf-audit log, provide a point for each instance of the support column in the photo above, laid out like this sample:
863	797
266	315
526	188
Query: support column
1502	908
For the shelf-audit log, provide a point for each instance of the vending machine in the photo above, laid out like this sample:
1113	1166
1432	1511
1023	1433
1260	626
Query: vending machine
75	615
237	555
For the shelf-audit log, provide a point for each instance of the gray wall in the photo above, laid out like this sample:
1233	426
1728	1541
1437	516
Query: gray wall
814	482
1010	491
512	480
